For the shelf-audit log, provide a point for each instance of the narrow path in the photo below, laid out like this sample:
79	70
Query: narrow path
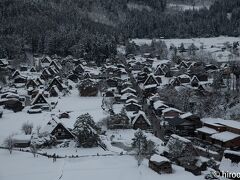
60	177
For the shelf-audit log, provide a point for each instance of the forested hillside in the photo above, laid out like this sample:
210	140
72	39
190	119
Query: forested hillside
91	29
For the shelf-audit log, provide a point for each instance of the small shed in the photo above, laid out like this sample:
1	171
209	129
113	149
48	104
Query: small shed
21	141
160	164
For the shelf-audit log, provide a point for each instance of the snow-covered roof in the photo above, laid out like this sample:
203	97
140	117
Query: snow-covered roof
194	77
46	70
214	124
151	76
180	138
184	76
174	139
225	136
4	61
20	76
207	130
171	109
141	113
10	95
112	89
185	115
158	104
51	125
158	158
38	96
150	86
221	122
131	100
232	152
133	104
126	95
128	89
22	138
227	165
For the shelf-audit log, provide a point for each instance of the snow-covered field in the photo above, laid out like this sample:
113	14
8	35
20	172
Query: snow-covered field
184	7
11	122
23	166
213	45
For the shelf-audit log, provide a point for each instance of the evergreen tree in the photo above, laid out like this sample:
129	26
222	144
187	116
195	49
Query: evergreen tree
192	50
86	131
217	81
86	118
182	48
140	145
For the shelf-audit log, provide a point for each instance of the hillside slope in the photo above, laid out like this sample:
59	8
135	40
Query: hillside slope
91	29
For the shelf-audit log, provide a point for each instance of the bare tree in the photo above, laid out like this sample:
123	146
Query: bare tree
27	128
9	143
38	129
33	149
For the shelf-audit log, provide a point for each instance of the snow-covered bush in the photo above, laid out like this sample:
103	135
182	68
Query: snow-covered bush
87	118
88	87
107	103
43	140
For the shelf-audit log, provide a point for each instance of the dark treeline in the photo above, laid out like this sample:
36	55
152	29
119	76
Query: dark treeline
92	28
223	18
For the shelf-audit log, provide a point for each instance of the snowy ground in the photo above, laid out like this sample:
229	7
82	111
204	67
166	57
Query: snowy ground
23	166
184	7
11	122
213	45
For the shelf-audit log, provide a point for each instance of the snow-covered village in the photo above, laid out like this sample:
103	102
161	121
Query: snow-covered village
146	107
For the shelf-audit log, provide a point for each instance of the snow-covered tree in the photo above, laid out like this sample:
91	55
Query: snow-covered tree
42	140
217	81
88	87
175	149
181	48
192	50
107	103
151	148
181	149
85	130
159	48
88	119
139	144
